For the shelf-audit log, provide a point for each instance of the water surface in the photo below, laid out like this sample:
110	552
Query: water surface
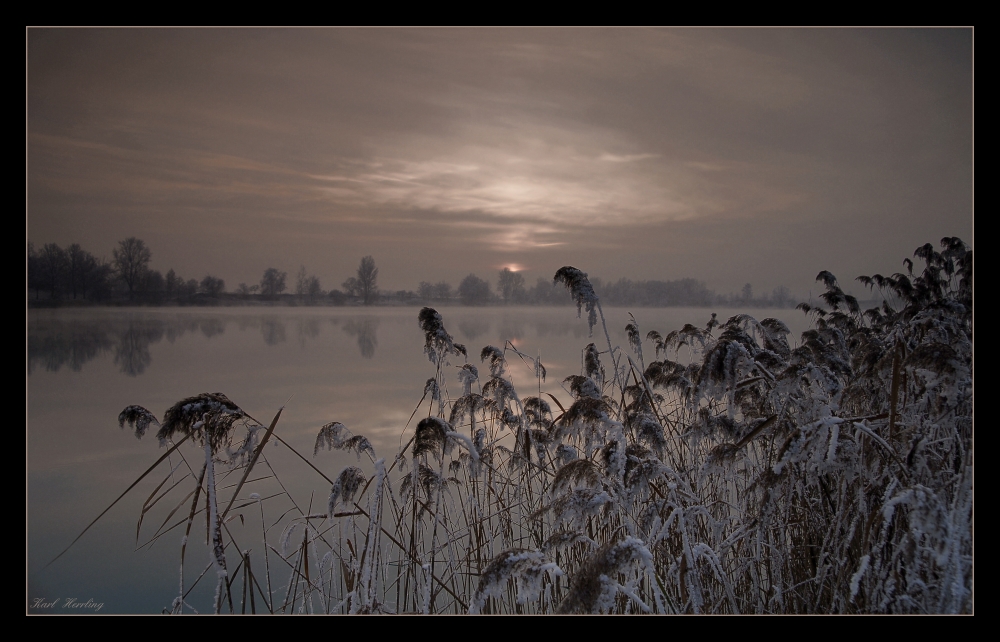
363	367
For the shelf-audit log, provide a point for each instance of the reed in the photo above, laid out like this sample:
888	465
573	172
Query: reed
742	476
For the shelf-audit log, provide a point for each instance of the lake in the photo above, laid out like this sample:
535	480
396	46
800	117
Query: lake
363	367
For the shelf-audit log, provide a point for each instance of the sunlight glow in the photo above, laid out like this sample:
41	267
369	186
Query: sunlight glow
544	177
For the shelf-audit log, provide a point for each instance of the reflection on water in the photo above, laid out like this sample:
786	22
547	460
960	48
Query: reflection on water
365	329
511	329
74	338
132	350
273	330
244	323
57	341
570	326
66	344
473	328
211	327
308	328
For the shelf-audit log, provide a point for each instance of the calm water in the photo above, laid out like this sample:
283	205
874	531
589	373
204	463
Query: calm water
362	367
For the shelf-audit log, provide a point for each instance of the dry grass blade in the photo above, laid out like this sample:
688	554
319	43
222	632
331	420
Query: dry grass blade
767	423
148	505
253	460
309	463
556	401
179	603
401	547
171	514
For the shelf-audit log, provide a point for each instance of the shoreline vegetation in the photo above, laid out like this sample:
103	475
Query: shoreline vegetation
707	469
73	277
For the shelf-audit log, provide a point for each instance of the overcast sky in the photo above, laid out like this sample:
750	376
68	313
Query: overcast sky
725	155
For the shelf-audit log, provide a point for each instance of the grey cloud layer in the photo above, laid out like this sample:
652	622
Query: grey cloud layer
607	145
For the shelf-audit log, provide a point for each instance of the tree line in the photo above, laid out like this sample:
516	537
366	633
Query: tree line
58	276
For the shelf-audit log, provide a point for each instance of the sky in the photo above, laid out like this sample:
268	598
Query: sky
729	156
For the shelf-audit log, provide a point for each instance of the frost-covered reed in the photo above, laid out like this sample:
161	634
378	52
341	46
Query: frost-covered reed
744	476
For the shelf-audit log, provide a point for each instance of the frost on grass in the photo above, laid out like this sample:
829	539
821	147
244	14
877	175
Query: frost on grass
241	455
467	406
588	420
538	412
336	436
594	587
345	487
431	437
634	338
575	507
562	540
581	473
583	387
830	474
437	341
582	292
649	431
468	374
137	418
592	367
493	357
208	417
527	567
500	391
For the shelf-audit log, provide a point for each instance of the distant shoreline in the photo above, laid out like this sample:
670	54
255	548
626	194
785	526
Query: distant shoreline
291	301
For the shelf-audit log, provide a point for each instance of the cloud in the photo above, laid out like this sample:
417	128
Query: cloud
628	158
535	174
643	144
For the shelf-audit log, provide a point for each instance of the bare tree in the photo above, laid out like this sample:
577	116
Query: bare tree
152	285
313	288
35	280
54	266
77	263
190	288
172	283
302	281
213	286
366	281
511	285
474	291
307	285
442	290
93	276
245	291
273	282
781	296
131	260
